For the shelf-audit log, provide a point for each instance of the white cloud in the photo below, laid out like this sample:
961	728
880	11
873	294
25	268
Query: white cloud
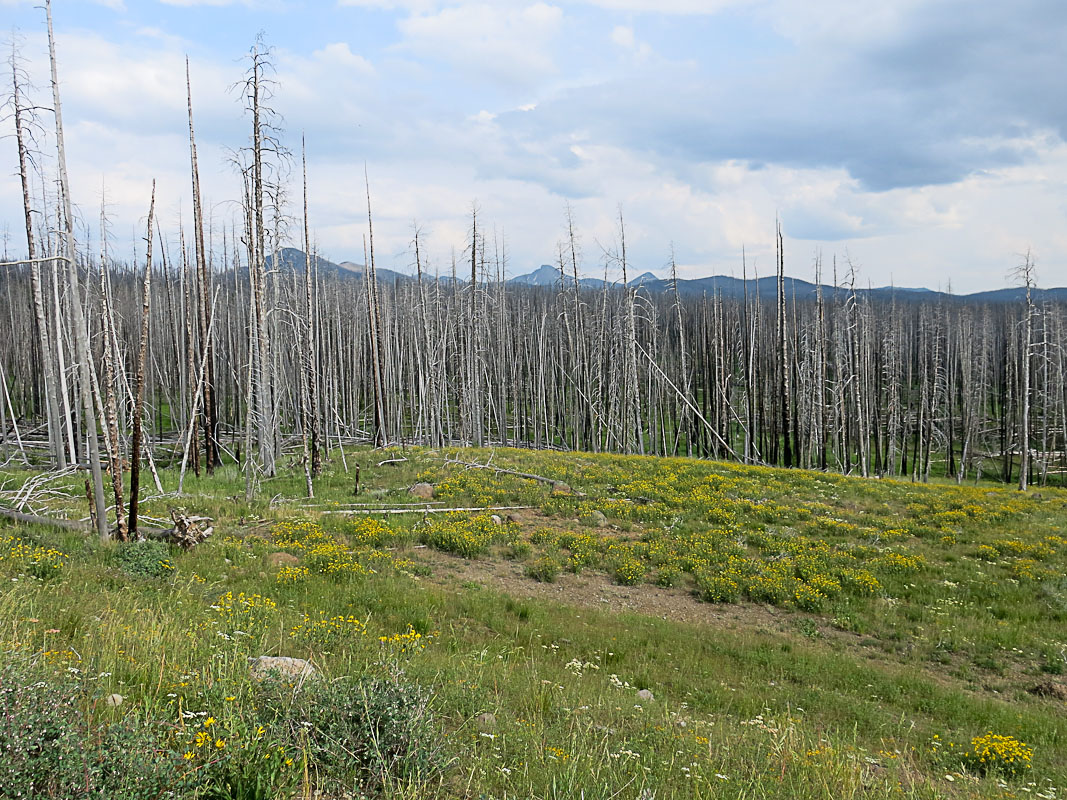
511	45
340	54
623	36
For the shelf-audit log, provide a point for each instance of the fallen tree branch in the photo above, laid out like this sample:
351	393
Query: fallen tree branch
556	485
423	510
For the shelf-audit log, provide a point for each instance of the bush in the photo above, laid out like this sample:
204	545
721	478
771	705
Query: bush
995	753
145	559
46	751
718	588
668	576
545	569
370	733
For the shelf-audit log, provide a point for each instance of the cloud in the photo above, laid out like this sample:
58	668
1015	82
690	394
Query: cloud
926	139
512	45
930	98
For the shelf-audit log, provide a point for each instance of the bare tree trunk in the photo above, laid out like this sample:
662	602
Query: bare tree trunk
203	286
1026	274
44	341
138	401
80	336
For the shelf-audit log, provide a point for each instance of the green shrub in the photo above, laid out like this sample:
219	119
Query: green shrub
360	732
667	576
48	751
545	569
147	559
718	588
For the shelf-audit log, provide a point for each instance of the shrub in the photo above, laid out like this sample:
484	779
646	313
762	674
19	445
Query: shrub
718	588
628	571
667	576
545	569
808	598
47	751
369	733
465	536
994	753
146	559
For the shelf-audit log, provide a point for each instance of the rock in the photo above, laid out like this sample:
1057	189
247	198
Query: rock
114	700
296	669
559	487
599	519
1057	691
485	722
496	519
645	695
282	560
513	518
423	491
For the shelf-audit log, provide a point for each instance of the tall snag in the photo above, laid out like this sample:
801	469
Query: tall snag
81	337
142	354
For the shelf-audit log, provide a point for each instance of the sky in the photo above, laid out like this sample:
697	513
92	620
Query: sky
920	141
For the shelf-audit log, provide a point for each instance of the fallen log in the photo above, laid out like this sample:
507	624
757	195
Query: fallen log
33	519
557	485
186	533
347	511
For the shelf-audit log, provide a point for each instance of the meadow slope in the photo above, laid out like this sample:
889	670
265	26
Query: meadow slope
625	627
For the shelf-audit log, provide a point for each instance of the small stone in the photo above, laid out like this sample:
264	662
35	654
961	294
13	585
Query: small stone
599	519
285	667
645	695
485	722
114	700
282	560
423	491
496	519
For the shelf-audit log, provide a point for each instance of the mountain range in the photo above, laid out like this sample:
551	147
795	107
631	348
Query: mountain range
547	276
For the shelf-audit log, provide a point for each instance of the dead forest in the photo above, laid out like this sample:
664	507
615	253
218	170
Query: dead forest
217	346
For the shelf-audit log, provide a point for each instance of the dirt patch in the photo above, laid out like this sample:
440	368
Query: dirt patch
594	589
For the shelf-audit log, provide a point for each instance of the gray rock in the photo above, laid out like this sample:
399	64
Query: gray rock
423	491
485	722
645	695
599	519
496	519
286	668
114	700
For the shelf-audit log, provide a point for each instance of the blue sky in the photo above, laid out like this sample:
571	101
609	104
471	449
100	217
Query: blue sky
921	139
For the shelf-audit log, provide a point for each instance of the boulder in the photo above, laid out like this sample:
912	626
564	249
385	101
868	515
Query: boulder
283	560
284	667
423	491
599	519
645	696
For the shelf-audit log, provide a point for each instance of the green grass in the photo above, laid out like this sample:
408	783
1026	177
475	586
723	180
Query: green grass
811	682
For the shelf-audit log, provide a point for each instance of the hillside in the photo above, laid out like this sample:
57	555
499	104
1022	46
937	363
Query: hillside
626	627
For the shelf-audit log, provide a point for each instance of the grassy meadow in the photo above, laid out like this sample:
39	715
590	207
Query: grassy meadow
626	628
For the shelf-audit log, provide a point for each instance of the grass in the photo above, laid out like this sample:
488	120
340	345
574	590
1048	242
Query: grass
803	635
